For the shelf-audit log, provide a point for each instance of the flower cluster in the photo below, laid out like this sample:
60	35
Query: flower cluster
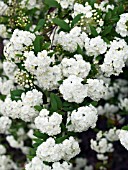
63	83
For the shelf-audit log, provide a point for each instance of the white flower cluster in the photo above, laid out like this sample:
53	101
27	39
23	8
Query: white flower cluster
70	41
112	134
104	6
75	66
22	109
3	31
81	163
101	145
115	58
95	46
18	144
107	109
6	163
97	89
37	164
123	137
66	3
124	104
2	150
49	151
30	4
82	119
5	124
48	124
80	9
122	25
9	69
39	66
19	43
6	86
73	90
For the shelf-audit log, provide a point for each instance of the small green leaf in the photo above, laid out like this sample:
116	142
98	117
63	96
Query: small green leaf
16	94
108	16
40	135
53	102
125	128
52	3
76	19
38	44
61	139
61	23
93	31
39	25
38	108
79	50
107	30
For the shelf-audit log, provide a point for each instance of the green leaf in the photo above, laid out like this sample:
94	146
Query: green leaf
53	102
38	44
107	30
125	128
38	108
40	135
52	3
58	101
39	25
79	50
46	46
120	9
76	19
61	139
93	31
108	16
16	94
62	24
94	103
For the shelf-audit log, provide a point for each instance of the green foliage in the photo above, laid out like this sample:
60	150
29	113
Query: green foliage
52	3
125	128
75	20
16	94
56	103
62	24
40	25
93	31
38	43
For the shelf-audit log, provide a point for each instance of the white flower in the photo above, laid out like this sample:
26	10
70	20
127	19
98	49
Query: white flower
95	46
6	86
47	76
75	66
5	124
96	89
123	137
115	58
32	98
70	148
14	143
49	151
73	90
6	163
2	149
82	119
3	31
48	124
19	41
122	27
9	69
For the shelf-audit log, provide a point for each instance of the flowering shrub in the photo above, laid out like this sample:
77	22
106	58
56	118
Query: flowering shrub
63	84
